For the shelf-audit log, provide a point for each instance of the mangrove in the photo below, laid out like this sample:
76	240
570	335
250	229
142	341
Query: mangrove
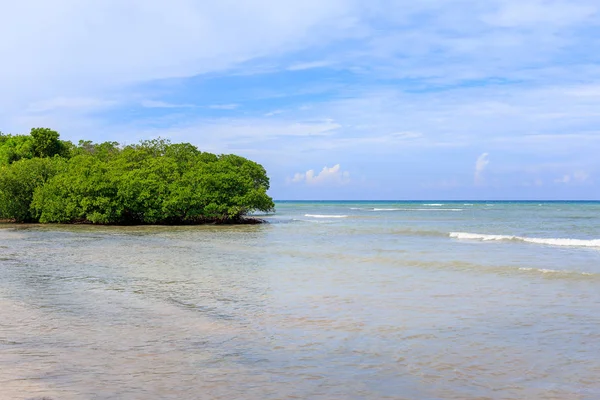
48	180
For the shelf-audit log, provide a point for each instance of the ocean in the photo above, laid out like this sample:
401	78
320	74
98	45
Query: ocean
329	300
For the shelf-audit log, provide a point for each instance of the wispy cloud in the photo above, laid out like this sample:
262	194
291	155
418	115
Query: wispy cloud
164	104
70	104
275	112
536	12
574	178
309	65
224	106
480	166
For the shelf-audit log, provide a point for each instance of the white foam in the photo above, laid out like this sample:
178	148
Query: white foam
564	242
310	221
417	209
547	241
553	271
325	216
468	204
542	270
477	236
433	205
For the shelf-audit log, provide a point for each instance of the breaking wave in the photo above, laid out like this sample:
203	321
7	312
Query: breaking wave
546	241
325	216
417	209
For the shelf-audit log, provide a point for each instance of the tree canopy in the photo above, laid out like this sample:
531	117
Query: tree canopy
44	179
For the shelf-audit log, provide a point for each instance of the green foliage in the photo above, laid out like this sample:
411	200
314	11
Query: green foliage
15	148
40	143
18	183
46	143
82	192
154	182
103	151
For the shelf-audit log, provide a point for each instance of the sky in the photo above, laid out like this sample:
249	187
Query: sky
338	99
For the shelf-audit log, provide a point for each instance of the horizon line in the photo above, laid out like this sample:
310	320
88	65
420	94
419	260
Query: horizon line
448	200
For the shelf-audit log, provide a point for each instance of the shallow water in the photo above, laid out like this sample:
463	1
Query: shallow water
425	300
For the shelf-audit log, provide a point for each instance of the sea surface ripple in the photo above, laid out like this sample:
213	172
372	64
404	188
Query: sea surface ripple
330	300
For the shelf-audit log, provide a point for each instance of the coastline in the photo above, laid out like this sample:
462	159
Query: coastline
235	221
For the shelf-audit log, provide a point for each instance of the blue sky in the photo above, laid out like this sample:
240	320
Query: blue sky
338	99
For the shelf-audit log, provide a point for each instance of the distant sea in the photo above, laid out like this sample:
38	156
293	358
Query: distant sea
330	300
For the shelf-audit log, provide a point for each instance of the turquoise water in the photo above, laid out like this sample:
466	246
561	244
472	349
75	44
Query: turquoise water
331	300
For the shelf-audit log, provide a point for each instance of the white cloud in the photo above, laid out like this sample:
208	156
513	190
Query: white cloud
531	68
443	184
533	183
280	138
372	141
272	113
145	39
333	176
164	104
564	179
309	65
480	166
581	176
224	106
574	178
69	103
87	49
258	129
536	12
